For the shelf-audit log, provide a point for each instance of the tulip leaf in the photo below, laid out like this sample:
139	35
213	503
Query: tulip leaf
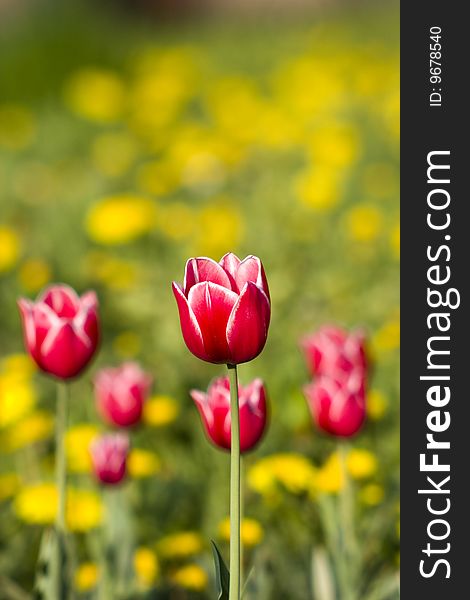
222	575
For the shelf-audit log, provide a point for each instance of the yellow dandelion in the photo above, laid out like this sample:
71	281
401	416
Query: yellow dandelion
120	219
293	471
376	404
330	479
95	94
372	494
251	531
387	338
336	144
10	248
77	444
35	427
320	187
34	274
17	127
191	577
160	411
127	344
146	566
114	153
86	576
143	463
364	222
17	398
9	485
18	366
361	463
36	504
180	545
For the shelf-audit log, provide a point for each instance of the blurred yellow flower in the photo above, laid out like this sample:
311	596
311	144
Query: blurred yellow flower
180	545
18	366
372	494
395	241
361	463
127	344
17	127
86	576
77	444
120	219
376	404
143	463
220	227
9	485
330	479
95	94
114	153
387	337
160	411
34	274
10	247
364	222
251	531
191	577
337	144
37	504
17	398
33	428
146	566
319	187
293	471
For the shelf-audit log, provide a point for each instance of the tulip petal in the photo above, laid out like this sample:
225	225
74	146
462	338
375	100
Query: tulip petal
62	352
189	326
204	269
230	263
251	269
62	299
247	328
212	305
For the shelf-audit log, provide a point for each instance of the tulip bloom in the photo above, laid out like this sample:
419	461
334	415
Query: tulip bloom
121	392
214	408
334	352
338	408
109	457
224	308
61	330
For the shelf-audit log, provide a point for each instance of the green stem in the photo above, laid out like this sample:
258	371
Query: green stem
234	590
346	508
61	482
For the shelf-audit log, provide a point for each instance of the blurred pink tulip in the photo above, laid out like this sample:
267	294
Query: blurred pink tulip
338	408
121	393
61	330
214	408
109	457
224	308
334	352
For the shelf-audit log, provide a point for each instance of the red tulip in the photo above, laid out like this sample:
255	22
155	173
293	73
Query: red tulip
224	308
61	330
109	457
214	408
338	408
121	392
334	352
